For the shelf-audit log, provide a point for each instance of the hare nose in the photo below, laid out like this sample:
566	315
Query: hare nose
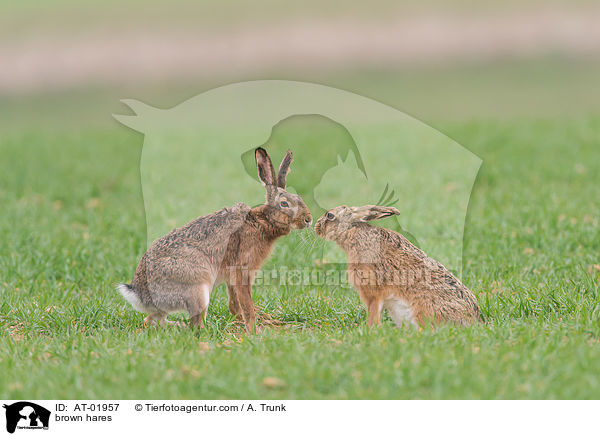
308	220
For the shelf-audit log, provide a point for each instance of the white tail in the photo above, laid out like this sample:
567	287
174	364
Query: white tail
129	294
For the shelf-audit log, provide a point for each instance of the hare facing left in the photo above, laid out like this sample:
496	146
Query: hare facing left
391	273
179	270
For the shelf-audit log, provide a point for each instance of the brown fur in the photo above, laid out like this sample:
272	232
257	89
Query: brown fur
180	269
384	265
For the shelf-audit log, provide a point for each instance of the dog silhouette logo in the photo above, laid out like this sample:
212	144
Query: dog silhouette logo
26	415
198	157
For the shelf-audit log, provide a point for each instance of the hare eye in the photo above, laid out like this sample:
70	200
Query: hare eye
284	204
330	216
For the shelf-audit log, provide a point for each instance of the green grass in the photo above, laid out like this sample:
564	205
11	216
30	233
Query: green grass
73	226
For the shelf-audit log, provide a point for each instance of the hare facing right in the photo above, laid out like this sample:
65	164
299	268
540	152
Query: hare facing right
391	273
179	270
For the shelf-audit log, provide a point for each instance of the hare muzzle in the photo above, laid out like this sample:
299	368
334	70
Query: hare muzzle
318	228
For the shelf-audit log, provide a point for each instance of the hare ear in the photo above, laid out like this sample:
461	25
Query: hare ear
370	212
284	169
266	172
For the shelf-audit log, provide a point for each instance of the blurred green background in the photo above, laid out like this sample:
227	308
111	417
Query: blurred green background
514	82
70	62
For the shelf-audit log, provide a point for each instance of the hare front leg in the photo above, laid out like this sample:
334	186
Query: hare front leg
244	295
234	303
239	285
374	309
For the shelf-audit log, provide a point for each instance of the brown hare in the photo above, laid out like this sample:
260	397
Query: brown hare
390	273
179	270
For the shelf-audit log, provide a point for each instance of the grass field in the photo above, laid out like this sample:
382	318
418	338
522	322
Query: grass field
73	226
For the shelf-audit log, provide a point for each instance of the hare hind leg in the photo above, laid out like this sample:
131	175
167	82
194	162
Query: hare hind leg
154	319
197	304
160	319
400	311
